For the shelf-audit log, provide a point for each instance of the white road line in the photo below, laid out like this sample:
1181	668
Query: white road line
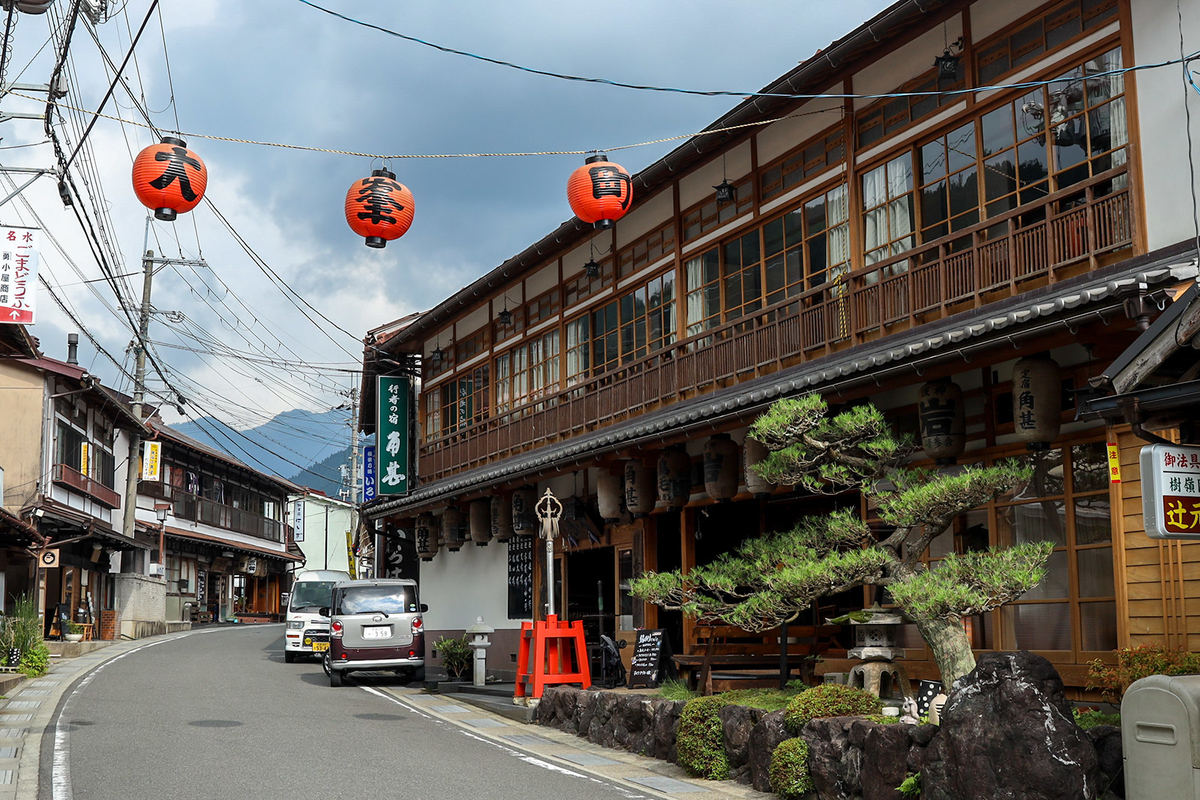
60	775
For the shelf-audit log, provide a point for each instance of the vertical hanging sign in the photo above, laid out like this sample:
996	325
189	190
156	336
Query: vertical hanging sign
298	521
391	433
152	461
370	485
18	274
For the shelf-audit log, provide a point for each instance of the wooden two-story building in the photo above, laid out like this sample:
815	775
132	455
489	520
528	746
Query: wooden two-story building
949	188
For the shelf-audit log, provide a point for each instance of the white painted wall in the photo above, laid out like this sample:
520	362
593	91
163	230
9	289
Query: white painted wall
458	587
1161	94
698	184
646	215
315	545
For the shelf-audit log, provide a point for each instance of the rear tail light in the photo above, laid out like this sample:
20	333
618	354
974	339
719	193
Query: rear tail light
335	629
412	653
416	625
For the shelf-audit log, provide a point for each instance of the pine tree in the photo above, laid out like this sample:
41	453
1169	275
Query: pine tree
771	579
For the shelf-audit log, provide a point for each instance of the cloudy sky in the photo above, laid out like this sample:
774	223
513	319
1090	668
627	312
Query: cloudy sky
280	71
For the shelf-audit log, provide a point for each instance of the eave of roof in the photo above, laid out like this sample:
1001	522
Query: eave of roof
179	533
950	338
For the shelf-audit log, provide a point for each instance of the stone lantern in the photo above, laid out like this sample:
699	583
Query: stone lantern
876	642
480	642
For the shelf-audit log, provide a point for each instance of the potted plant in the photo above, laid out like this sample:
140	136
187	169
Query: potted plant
456	655
75	632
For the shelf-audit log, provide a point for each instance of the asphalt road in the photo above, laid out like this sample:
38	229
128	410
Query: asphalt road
218	714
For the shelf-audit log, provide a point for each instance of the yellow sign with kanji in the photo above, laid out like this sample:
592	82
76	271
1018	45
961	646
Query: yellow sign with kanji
1171	491
1114	463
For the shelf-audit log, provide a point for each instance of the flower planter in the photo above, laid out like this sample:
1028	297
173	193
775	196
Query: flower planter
73	637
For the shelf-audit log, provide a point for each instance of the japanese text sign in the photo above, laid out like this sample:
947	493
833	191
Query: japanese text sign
392	400
152	461
298	521
1114	463
1171	491
369	473
18	274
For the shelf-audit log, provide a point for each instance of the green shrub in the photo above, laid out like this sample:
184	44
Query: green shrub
829	700
700	741
1139	662
24	626
789	770
765	699
911	787
36	662
1092	717
456	654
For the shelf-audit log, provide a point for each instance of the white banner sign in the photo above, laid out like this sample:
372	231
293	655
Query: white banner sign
152	461
298	521
18	274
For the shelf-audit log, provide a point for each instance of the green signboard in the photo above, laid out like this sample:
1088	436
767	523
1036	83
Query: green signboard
392	401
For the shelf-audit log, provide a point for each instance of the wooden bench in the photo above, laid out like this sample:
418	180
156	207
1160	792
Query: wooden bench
724	654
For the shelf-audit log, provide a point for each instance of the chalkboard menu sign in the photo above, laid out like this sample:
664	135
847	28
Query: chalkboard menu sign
651	659
520	577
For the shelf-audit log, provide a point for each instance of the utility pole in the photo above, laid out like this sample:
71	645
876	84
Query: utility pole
354	466
139	381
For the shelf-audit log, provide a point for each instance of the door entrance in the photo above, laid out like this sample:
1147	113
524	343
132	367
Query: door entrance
591	591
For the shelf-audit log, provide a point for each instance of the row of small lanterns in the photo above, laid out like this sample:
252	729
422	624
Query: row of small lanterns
1036	406
637	489
171	179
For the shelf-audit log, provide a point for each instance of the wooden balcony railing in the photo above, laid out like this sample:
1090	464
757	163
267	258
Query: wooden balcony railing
72	478
1062	235
185	505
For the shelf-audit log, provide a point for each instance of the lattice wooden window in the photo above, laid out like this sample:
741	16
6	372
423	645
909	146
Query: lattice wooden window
1034	38
809	159
646	250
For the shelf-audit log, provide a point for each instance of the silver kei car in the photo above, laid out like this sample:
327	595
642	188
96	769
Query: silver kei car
375	625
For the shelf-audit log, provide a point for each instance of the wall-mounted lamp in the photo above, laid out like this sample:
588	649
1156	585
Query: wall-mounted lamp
726	191
591	268
506	316
947	63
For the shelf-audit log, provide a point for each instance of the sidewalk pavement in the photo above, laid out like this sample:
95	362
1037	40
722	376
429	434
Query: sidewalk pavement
563	751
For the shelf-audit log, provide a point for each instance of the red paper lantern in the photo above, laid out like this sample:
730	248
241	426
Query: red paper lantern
169	178
379	209
600	192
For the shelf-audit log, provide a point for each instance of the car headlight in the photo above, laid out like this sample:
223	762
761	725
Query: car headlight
295	624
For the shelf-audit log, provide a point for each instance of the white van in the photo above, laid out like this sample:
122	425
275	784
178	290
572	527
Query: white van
307	631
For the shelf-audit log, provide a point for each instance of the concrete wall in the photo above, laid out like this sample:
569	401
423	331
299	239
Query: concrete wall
140	605
21	391
1161	95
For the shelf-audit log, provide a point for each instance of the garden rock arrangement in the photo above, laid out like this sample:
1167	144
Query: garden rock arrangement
1007	732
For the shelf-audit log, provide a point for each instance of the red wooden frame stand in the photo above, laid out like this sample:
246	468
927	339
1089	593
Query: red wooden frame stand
552	652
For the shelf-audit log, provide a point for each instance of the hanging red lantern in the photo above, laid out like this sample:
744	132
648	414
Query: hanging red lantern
379	208
169	178
600	192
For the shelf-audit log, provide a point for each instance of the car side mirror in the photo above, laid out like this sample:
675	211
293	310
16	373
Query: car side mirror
424	607
323	611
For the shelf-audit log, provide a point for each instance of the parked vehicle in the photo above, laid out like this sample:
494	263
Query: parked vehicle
375	625
307	631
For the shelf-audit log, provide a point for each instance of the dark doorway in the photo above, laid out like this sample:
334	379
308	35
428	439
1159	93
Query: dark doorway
670	556
591	590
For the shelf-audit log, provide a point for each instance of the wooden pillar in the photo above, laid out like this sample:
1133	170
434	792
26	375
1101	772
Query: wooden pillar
649	538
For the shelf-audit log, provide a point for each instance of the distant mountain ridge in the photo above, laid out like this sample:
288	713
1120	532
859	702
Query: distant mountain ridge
294	444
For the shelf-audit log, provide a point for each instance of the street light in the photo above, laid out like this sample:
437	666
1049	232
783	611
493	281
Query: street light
161	510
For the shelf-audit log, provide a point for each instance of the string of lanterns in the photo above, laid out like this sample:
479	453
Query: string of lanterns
170	179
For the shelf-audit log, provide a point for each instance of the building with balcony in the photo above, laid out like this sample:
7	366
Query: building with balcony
64	456
914	223
228	547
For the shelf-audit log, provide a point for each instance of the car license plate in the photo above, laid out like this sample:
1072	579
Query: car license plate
320	647
377	632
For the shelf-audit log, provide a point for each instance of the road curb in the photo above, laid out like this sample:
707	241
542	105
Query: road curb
623	768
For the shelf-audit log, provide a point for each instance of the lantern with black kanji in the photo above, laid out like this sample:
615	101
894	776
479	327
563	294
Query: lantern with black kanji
1037	401
452	529
600	192
942	420
641	493
608	495
757	485
524	517
502	527
169	178
429	539
675	477
721	467
379	208
481	522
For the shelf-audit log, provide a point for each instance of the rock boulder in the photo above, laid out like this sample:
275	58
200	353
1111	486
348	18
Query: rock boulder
1007	732
764	738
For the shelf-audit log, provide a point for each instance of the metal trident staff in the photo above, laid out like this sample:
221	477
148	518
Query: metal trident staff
548	510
